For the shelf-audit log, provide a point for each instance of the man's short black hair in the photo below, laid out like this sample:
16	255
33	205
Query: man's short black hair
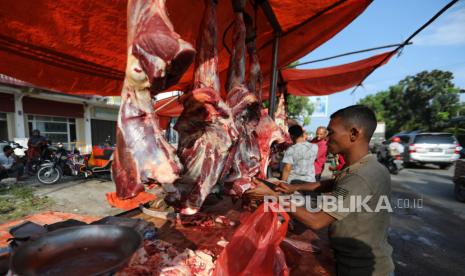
295	132
6	148
360	116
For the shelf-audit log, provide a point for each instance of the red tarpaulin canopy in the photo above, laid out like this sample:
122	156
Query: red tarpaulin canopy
329	80
79	47
307	82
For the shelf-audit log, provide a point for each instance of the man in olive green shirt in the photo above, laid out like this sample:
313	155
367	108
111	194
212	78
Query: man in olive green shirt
358	226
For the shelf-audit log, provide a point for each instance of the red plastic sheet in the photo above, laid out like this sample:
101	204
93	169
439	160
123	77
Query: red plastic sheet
131	203
79	47
254	247
330	80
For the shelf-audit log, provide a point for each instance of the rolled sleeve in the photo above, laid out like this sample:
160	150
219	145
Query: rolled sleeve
288	156
349	193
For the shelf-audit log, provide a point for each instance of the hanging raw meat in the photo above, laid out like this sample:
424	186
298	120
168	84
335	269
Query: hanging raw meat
255	82
156	58
244	159
280	115
236	69
268	133
161	52
206	128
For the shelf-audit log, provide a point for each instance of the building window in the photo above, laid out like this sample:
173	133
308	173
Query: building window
3	127
56	129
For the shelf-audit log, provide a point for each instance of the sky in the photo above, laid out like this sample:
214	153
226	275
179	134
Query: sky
440	46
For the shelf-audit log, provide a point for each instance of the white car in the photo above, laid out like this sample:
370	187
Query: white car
437	148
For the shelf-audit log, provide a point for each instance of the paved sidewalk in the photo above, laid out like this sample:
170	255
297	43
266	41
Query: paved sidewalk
85	197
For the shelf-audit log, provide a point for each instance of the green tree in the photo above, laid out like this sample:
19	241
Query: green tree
299	108
426	101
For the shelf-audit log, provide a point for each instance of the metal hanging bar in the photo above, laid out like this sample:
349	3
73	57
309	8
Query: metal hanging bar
268	11
349	53
274	77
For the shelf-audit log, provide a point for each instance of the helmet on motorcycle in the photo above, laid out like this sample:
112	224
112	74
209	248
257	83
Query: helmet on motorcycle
395	139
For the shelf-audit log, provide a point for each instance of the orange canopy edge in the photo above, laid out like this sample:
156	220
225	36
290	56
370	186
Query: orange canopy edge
79	47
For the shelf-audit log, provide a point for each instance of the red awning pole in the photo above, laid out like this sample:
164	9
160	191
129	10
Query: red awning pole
274	76
268	11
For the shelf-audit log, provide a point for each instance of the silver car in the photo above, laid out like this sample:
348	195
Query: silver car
437	148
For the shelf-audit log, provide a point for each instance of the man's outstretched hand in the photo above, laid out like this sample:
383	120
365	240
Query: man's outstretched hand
259	191
283	187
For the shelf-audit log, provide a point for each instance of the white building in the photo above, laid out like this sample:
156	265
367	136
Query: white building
76	121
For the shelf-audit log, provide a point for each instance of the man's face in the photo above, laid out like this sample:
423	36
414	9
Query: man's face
338	136
320	134
9	152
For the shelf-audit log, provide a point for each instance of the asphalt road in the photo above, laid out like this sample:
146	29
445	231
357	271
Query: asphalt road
428	225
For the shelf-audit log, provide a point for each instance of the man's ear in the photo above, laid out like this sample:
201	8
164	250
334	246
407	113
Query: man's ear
354	134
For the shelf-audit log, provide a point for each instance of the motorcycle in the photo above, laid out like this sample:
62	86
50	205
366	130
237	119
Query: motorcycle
393	163
67	163
51	171
44	155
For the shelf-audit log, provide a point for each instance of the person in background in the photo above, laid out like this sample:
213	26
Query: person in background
395	147
34	148
299	158
320	141
9	165
337	164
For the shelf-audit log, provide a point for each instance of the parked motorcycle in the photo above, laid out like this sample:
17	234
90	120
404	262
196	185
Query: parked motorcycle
51	171
45	154
67	163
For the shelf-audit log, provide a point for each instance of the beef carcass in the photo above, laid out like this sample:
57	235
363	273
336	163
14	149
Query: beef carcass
255	82
156	58
244	159
236	69
268	133
206	128
280	115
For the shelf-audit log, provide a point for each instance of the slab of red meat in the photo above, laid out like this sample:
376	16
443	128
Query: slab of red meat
244	159
155	54
162	54
143	155
236	69
206	128
255	82
280	115
161	258
268	133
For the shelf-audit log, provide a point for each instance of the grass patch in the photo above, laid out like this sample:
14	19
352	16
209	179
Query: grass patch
17	202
